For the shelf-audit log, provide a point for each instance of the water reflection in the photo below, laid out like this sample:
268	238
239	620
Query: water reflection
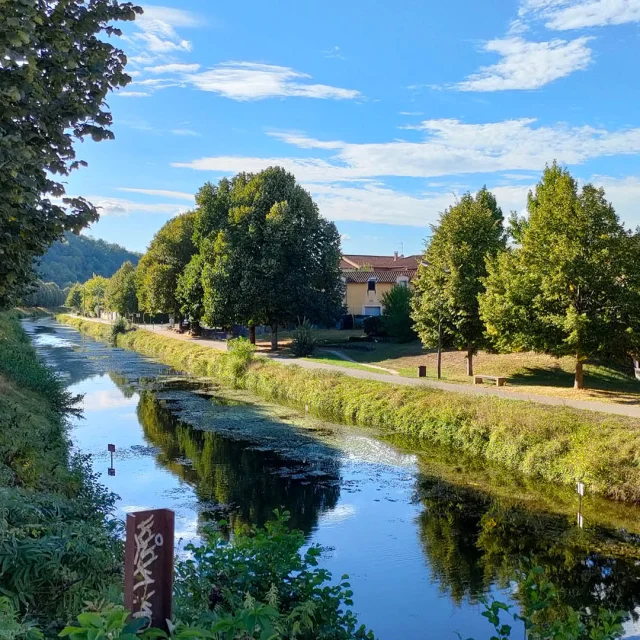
473	540
247	482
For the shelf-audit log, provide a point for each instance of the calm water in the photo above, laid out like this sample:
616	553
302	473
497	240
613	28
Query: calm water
423	534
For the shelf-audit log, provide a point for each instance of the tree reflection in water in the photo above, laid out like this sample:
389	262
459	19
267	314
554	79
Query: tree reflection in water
233	478
473	540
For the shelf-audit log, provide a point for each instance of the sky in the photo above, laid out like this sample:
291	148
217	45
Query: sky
386	112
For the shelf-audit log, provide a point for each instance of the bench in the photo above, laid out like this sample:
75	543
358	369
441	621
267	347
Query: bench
499	380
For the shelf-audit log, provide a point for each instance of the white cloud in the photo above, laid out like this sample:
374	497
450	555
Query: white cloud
410	113
156	32
450	147
173	68
178	195
185	132
334	52
122	207
562	15
133	94
303	141
254	81
528	65
624	194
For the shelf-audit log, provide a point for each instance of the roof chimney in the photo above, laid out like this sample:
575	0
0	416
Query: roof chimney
395	256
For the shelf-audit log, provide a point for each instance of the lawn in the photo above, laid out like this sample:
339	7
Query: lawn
531	372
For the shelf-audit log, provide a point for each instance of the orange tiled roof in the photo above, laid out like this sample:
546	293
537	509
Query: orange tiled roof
380	263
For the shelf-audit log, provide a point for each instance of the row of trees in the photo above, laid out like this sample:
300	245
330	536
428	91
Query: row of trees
565	280
254	252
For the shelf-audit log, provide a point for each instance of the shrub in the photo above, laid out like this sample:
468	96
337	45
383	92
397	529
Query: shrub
262	577
397	320
304	342
240	353
373	326
119	327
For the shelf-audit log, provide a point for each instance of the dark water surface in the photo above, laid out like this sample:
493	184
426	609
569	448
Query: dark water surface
423	534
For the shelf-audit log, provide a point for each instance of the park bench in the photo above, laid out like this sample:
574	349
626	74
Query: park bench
499	380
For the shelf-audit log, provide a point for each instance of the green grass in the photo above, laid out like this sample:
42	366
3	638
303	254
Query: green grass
332	359
557	444
57	548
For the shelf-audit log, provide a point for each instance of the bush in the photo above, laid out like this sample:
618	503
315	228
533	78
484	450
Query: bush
119	327
304	342
240	353
373	326
261	576
396	320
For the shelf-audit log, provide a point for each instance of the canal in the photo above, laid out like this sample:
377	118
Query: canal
424	534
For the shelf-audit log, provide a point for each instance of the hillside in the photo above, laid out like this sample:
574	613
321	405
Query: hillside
77	258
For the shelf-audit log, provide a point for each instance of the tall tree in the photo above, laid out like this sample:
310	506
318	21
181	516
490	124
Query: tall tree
570	284
56	69
121	292
75	297
93	295
450	278
190	293
270	257
159	269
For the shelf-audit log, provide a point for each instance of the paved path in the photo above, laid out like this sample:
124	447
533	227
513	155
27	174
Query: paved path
630	410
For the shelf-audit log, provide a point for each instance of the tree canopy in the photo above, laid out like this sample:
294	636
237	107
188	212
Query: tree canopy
270	258
450	278
159	269
93	293
570	285
56	69
120	293
76	258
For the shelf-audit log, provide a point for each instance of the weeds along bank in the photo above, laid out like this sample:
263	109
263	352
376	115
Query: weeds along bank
554	443
57	546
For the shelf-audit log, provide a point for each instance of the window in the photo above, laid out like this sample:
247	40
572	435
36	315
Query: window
371	285
402	281
372	311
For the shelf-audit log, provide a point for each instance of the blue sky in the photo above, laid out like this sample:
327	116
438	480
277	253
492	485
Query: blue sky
384	111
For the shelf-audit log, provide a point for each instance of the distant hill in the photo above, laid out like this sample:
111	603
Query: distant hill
77	258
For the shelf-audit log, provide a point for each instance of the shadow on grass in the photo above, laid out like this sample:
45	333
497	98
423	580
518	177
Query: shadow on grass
606	381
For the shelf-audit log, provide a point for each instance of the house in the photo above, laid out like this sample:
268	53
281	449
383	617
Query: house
368	278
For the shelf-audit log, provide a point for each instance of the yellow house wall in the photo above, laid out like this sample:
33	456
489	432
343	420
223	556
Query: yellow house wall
358	297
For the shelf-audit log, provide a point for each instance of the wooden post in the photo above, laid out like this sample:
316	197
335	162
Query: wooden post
148	566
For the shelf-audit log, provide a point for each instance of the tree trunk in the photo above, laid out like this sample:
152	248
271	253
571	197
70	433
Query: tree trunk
252	333
274	337
469	361
439	362
579	379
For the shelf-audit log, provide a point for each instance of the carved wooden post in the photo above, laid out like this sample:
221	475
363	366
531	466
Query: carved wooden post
148	565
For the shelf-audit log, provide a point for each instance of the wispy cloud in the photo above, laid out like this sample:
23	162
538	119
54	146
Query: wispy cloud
562	15
156	29
246	81
175	67
410	113
178	195
185	132
449	147
122	207
528	65
333	52
133	94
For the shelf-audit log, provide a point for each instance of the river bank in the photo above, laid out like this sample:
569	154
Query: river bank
556	444
58	547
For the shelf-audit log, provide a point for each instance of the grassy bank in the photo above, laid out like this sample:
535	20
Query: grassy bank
57	548
558	444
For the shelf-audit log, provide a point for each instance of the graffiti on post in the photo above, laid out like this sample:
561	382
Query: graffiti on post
149	565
